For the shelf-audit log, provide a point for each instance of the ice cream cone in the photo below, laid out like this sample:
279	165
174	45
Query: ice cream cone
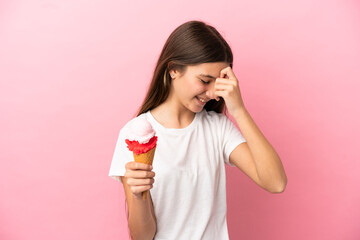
146	158
141	140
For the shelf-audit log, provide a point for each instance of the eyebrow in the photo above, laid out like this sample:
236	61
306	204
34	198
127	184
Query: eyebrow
207	75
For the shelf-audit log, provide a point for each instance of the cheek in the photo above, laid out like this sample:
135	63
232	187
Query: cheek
198	88
193	88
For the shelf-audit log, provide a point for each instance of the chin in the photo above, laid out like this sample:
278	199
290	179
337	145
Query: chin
197	109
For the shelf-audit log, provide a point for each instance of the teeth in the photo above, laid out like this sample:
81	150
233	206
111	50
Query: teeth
201	100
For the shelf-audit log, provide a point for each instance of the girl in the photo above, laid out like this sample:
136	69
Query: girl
193	82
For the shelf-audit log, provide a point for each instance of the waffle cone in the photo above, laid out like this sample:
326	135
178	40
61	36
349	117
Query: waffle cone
146	158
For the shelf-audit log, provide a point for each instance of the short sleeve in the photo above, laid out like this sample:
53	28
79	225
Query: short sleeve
121	156
232	138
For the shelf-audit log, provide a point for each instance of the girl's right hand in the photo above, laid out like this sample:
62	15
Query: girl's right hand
139	177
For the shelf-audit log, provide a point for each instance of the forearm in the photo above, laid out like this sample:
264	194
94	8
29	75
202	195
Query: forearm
268	164
141	222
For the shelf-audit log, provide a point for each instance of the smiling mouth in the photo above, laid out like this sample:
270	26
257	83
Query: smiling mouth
201	100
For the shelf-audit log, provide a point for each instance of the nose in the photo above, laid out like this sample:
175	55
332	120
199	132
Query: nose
210	92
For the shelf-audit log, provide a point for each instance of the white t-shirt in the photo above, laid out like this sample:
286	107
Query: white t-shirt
189	192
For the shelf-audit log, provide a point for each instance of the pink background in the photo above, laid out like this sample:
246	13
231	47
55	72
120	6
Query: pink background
73	72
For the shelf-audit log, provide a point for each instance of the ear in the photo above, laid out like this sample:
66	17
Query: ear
172	73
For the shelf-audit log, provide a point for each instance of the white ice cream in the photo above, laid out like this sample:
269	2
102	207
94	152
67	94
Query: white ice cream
140	130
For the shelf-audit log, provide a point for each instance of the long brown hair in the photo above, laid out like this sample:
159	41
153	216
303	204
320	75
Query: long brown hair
193	42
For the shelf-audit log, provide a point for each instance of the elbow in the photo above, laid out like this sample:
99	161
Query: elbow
280	184
279	188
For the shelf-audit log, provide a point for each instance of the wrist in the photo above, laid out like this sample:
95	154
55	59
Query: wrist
137	196
241	111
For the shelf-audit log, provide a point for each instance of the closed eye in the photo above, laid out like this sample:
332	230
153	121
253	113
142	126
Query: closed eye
204	82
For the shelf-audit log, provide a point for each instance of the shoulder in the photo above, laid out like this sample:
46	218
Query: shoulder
126	126
213	117
217	121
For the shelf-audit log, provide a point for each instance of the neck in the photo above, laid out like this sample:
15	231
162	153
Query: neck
171	114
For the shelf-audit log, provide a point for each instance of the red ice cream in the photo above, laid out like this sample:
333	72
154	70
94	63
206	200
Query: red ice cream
139	148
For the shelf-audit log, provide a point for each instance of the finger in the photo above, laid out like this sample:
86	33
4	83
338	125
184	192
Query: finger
226	81
222	94
227	71
217	98
227	88
139	174
140	189
140	182
214	96
219	86
138	166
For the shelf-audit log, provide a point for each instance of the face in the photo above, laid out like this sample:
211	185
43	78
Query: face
196	86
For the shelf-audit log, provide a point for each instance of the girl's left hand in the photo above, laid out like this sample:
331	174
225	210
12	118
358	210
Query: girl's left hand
228	89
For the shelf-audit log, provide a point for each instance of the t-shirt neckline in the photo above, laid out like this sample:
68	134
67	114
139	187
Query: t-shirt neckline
173	130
